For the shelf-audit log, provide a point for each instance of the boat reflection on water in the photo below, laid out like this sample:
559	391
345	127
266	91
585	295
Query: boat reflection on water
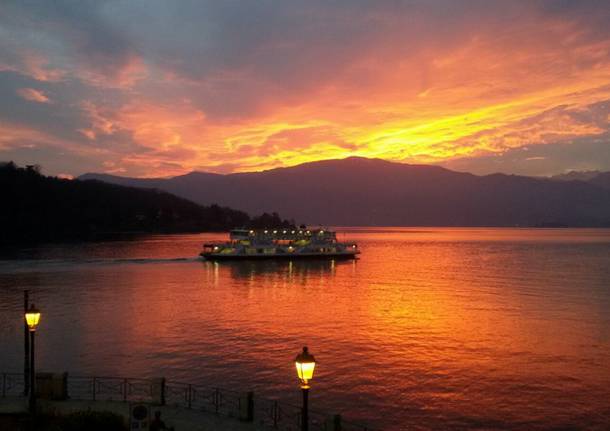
289	270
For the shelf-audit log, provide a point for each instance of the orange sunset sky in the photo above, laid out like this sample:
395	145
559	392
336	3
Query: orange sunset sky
157	88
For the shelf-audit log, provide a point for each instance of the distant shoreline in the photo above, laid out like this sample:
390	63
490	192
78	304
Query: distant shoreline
136	235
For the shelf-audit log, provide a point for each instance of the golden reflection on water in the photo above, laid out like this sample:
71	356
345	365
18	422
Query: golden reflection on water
436	328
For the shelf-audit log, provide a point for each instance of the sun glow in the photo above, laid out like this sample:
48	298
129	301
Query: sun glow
395	91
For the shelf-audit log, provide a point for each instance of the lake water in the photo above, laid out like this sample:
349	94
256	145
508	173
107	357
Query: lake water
429	329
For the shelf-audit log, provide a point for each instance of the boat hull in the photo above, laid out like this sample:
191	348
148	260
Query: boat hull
299	256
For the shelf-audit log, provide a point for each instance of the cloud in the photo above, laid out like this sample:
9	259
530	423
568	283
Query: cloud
33	95
161	88
580	154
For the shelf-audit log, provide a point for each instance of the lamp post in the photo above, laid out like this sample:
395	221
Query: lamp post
32	318
305	364
26	346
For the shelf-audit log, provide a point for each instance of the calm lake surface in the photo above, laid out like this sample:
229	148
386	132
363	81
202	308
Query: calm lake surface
429	329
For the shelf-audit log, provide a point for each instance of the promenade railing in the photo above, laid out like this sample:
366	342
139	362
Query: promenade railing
208	399
13	385
266	413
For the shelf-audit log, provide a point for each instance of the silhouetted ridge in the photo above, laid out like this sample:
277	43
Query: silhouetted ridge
40	208
373	192
602	180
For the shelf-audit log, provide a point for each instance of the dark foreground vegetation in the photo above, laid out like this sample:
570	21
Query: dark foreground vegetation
77	421
40	208
82	421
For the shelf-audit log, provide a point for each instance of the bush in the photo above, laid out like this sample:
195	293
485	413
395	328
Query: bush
82	421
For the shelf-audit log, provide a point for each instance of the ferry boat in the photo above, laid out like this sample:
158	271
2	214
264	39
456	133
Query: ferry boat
280	244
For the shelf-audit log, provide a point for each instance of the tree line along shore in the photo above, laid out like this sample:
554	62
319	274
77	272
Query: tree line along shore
39	208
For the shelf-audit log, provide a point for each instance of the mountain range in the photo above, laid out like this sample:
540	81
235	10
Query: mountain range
593	177
372	192
38	209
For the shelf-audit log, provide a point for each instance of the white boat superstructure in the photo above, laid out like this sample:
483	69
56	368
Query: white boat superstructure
280	243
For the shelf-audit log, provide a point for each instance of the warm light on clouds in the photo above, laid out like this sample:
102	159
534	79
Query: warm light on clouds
33	95
226	87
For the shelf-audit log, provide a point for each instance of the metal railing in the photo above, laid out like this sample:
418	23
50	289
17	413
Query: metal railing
110	389
351	426
213	400
273	414
13	385
270	414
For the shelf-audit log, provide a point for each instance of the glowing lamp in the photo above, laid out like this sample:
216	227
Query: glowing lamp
305	364
32	318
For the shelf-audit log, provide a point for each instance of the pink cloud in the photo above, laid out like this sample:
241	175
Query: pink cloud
33	95
376	81
37	66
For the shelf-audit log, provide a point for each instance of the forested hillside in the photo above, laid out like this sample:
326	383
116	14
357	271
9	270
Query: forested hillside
40	208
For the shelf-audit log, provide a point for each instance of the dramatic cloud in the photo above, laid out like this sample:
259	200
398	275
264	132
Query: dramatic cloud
155	88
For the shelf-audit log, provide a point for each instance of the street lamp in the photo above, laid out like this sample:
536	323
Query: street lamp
32	318
305	364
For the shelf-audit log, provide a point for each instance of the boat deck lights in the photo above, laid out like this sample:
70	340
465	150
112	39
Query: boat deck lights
282	232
